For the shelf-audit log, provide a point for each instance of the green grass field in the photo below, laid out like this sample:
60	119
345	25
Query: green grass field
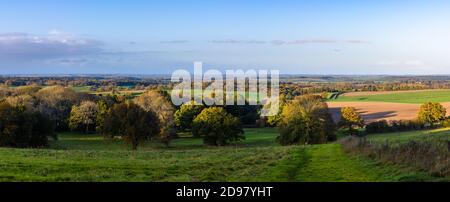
402	137
80	157
400	97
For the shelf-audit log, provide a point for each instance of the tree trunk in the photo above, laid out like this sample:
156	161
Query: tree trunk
134	145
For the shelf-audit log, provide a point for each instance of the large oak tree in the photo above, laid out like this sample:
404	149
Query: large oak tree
132	123
305	120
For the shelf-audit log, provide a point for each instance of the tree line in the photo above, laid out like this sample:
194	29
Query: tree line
30	115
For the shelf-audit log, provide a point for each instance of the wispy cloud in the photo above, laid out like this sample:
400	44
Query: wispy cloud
69	61
304	41
358	42
402	62
278	42
174	42
314	41
232	41
287	42
54	44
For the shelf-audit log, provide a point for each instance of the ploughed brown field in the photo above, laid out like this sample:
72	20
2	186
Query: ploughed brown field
374	111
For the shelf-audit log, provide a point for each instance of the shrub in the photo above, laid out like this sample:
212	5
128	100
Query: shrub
446	123
217	127
378	127
432	156
394	126
306	120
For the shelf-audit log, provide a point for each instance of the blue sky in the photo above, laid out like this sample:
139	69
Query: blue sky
154	37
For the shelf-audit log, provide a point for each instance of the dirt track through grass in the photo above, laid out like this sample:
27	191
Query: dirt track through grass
329	163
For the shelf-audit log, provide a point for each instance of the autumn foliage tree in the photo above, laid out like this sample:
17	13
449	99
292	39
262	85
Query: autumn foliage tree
56	103
155	101
305	120
83	117
132	123
432	113
350	120
24	100
217	127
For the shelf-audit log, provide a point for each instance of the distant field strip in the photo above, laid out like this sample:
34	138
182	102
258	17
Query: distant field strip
417	97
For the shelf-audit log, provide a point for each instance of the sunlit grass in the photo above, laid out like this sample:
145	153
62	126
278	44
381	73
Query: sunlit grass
416	97
88	157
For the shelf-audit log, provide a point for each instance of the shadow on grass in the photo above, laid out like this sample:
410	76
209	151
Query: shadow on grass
254	137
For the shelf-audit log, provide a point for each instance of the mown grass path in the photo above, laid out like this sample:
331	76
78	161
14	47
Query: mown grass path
329	163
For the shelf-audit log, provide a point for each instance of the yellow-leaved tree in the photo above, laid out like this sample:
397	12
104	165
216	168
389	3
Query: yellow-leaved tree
432	113
350	120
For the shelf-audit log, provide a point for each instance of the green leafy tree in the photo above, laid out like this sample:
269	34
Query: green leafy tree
83	116
186	115
350	120
217	127
305	120
432	113
248	114
103	109
274	120
132	123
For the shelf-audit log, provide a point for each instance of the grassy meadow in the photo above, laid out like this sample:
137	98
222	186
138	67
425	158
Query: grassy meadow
88	157
414	97
402	137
